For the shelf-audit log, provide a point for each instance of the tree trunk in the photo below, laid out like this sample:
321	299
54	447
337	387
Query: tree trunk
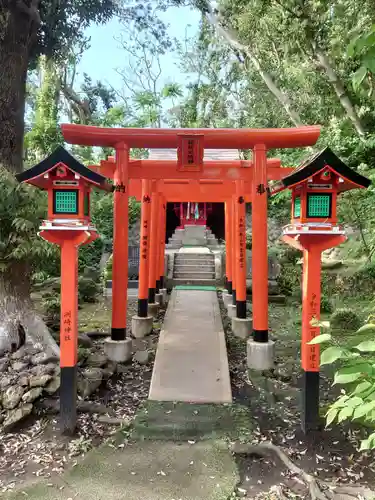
19	22
339	88
233	41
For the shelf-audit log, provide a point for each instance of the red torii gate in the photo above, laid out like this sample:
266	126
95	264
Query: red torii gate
178	190
190	144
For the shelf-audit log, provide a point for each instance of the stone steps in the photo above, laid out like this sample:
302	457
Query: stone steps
187	261
199	267
196	282
193	275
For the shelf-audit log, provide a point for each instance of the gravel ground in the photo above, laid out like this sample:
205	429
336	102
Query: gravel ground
330	455
37	449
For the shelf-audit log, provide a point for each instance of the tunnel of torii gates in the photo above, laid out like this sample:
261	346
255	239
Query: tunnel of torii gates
190	178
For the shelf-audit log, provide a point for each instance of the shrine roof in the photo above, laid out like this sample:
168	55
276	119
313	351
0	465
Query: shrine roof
34	175
318	162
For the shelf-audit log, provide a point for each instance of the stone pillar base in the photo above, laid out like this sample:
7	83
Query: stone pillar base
153	309
119	351
164	293
260	355
232	310
141	326
159	299
227	299
242	327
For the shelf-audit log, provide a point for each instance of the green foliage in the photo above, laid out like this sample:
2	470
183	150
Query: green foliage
51	307
249	241
345	319
107	275
45	134
325	304
354	369
134	210
64	25
21	210
289	280
88	289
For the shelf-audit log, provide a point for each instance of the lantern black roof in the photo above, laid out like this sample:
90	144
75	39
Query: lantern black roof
34	174
318	162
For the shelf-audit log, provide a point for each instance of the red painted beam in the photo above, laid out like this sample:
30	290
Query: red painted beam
87	135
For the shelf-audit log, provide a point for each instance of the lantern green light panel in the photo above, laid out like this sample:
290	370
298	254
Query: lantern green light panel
314	199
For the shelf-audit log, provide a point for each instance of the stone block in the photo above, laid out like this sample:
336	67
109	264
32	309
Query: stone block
119	351
153	309
227	299
159	299
164	292
242	327
260	355
141	326
232	310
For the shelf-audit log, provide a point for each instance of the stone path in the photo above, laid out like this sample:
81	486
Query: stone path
143	471
191	362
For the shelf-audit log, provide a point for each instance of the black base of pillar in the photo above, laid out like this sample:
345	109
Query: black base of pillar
157	287
233	296
142	308
310	418
68	399
241	309
118	333
260	336
226	283
161	281
229	287
151	295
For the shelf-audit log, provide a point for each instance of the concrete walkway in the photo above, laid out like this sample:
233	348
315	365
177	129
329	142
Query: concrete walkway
191	362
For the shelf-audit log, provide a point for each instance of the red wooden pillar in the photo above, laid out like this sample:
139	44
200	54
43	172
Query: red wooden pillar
69	241
144	261
163	224
153	244
240	246
228	245
260	245
120	244
233	247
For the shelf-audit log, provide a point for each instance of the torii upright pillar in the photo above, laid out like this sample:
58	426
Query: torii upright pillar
118	347
142	322
241	325
163	216
232	305
153	306
260	350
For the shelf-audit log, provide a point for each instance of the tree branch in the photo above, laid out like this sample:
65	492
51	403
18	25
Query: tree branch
32	11
233	41
339	88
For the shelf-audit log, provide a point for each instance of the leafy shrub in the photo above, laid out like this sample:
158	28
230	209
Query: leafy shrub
249	241
88	289
107	275
289	280
290	255
345	319
51	310
325	304
355	372
90	255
